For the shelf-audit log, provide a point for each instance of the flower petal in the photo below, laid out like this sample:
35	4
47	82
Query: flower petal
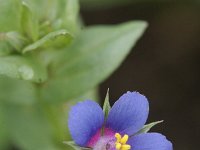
129	113
150	141
85	119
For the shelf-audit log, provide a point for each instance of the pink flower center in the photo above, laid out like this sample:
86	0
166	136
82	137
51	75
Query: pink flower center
108	133
109	141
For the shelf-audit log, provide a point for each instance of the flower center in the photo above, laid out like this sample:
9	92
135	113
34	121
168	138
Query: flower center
109	141
120	143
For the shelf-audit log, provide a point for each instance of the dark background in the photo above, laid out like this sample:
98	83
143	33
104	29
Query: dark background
164	66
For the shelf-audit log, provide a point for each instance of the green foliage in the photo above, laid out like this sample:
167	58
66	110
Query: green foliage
50	37
25	68
3	130
46	61
75	147
106	105
29	23
10	16
17	92
15	39
106	110
28	121
90	59
147	127
4	49
71	16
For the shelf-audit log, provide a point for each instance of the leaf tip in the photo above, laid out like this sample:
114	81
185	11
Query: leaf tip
106	106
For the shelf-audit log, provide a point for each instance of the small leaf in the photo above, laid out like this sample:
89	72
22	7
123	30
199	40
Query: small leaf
106	110
11	40
147	127
71	16
48	9
29	22
76	147
24	68
49	37
16	40
106	106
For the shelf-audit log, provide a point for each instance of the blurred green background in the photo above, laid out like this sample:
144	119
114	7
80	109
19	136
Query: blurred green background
164	65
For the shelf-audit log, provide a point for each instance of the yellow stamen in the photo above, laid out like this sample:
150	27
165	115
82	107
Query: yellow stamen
121	142
118	137
124	139
125	147
118	146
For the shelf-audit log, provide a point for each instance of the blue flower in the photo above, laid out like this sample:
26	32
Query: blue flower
127	116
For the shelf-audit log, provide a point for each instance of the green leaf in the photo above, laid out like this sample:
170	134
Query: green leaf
3	130
29	22
71	16
22	68
106	110
51	8
4	49
28	128
91	94
93	56
106	106
74	146
10	41
13	91
147	127
16	40
10	16
48	38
